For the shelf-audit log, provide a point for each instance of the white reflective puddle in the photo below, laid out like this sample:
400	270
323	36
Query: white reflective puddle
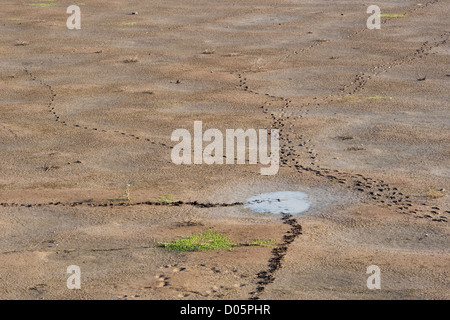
292	202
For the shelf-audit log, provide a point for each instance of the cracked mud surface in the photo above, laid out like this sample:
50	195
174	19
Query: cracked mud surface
364	131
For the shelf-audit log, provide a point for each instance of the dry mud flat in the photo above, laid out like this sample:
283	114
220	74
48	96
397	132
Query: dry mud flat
86	112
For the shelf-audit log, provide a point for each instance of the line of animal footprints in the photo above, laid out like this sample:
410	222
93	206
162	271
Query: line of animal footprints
275	263
267	276
164	277
361	79
163	280
52	110
375	190
90	203
353	34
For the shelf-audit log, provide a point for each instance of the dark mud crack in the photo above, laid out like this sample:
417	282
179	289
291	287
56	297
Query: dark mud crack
89	203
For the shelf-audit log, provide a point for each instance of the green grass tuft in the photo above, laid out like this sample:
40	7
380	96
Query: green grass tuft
126	24
43	5
392	15
377	97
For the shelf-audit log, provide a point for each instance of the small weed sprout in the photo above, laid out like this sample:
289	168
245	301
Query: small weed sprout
168	198
127	194
392	15
434	194
208	240
262	243
125	197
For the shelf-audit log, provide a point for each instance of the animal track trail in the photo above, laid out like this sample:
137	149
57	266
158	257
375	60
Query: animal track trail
362	78
385	20
374	190
294	145
267	276
90	203
11	132
58	118
218	288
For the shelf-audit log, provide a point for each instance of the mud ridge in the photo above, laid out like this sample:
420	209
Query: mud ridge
89	203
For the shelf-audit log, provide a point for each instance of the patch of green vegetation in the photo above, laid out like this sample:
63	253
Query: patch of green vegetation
392	15
14	19
120	24
377	97
43	4
209	240
353	98
126	24
262	243
168	198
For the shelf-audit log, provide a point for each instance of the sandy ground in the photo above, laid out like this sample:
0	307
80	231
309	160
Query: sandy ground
86	112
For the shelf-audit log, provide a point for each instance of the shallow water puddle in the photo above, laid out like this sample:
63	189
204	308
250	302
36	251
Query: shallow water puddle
292	202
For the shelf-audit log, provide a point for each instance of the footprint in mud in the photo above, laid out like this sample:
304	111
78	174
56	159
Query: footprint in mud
162	278
40	289
162	281
216	282
159	281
